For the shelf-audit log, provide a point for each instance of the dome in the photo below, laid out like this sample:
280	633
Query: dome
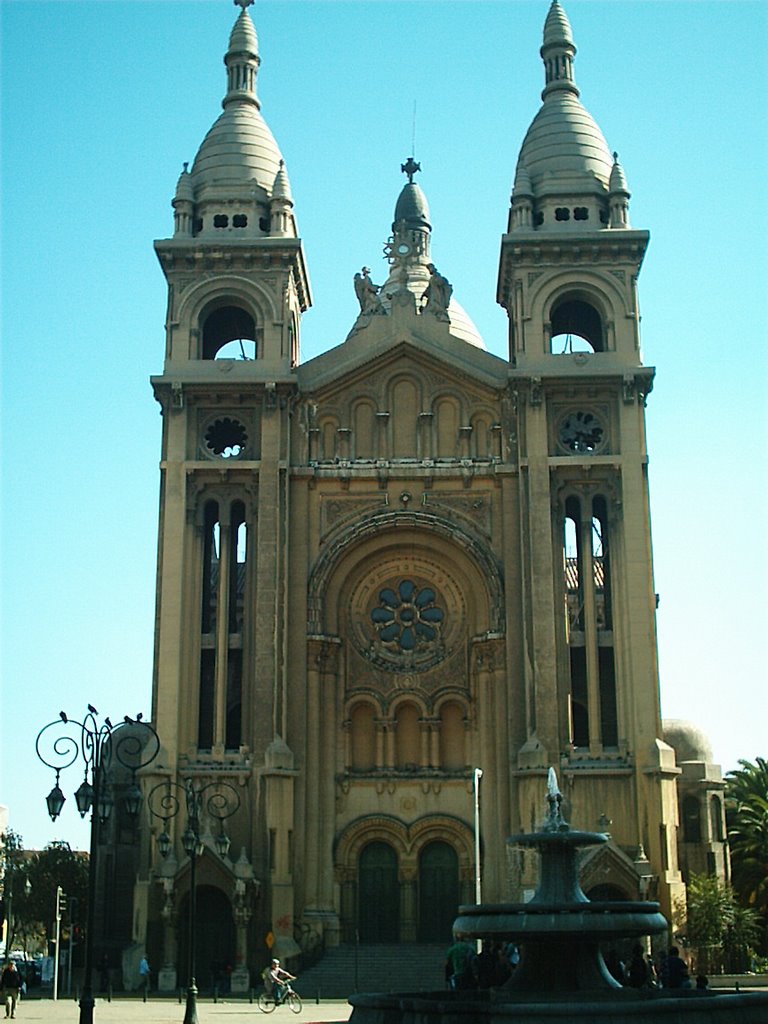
238	149
462	326
565	146
688	741
412	207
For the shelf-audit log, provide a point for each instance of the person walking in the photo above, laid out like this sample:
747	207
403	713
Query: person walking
10	983
144	975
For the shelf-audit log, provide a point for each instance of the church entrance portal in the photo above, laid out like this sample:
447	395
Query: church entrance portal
215	940
438	892
378	894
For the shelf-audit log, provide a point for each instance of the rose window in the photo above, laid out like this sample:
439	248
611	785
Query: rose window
407	618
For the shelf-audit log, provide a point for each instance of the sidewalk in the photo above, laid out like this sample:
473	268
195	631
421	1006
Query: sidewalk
127	1010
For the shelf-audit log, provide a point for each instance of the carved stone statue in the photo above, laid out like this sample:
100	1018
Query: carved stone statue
367	293
437	294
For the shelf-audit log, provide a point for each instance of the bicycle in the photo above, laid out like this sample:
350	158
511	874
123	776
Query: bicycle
291	999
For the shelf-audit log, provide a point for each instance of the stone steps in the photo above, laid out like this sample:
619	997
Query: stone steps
404	967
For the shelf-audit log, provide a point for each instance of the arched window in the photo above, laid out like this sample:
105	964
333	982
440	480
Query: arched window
407	737
224	570
229	333
576	327
447	410
716	819
363	730
452	737
404	418
691	820
364	431
588	620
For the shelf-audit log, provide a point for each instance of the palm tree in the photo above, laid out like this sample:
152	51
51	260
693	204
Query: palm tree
747	815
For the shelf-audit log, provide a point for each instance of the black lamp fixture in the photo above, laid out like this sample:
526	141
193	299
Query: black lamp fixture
100	746
55	800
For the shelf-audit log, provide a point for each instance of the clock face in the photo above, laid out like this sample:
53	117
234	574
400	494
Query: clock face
403	249
581	431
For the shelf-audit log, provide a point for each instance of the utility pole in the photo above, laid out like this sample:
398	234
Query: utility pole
61	904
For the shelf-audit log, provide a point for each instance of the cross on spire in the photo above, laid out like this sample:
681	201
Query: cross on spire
409	167
243	3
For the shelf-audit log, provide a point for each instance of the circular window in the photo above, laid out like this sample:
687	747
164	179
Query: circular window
581	431
226	438
407	617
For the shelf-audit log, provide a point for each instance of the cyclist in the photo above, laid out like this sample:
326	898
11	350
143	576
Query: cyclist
279	979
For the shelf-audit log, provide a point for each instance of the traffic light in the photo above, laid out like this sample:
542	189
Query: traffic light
61	901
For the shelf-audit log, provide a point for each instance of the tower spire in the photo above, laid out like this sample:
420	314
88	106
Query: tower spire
557	52
242	60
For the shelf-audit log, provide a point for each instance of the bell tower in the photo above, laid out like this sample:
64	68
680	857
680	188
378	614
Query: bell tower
568	280
237	287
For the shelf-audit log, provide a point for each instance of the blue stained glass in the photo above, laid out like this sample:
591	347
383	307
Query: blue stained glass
405	614
382	614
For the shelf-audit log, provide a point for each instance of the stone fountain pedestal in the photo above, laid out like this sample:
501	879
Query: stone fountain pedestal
562	976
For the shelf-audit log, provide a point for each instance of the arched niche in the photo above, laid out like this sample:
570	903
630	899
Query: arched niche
365	549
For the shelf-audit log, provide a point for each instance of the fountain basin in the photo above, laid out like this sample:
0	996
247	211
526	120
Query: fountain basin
526	921
655	1006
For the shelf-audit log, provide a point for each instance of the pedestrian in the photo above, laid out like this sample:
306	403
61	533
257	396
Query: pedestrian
144	975
10	983
674	970
638	971
458	965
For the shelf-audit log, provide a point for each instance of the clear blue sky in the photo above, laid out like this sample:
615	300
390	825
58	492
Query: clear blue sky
103	101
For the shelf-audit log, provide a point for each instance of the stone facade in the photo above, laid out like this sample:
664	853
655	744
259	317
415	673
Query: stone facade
404	559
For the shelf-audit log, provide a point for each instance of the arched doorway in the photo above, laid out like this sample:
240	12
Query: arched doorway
438	892
214	941
378	894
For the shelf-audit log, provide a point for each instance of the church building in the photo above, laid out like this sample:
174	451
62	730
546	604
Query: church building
404	562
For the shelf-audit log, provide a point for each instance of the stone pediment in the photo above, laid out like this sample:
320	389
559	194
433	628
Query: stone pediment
385	340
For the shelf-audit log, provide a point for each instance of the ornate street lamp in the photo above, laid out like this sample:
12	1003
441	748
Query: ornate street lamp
217	800
100	745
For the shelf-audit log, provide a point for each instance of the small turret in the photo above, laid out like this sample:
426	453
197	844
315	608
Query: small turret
282	223
618	196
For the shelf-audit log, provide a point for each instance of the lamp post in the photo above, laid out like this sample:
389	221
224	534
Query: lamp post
477	775
218	800
99	745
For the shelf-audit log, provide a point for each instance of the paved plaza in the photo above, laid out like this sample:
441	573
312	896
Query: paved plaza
161	1011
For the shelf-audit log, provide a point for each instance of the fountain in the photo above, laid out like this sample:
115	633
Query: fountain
562	975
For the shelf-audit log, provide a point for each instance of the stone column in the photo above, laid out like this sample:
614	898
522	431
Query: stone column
322	678
408	908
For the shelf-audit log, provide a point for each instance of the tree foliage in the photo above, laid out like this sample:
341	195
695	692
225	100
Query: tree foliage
33	907
747	817
722	932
